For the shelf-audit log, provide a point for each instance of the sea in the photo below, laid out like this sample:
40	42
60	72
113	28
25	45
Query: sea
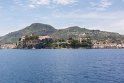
62	66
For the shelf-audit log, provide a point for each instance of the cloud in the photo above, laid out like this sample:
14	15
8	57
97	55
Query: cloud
40	2
34	3
19	3
31	6
109	21
64	2
78	14
31	3
102	5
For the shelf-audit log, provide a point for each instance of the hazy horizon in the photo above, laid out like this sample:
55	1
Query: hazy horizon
104	15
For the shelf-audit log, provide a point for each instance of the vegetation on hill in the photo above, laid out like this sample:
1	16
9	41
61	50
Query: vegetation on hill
75	32
33	41
71	32
35	28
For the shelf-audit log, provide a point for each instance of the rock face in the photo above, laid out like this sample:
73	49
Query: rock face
71	32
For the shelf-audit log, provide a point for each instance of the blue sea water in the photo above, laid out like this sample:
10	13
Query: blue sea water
62	66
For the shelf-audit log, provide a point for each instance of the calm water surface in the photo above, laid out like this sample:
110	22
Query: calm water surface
62	66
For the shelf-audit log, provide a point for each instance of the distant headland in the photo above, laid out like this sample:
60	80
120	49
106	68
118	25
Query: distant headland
38	36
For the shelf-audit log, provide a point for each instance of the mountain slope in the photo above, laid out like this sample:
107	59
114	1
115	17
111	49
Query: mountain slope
76	31
35	28
73	32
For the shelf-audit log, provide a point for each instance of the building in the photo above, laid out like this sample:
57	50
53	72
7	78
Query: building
32	40
44	37
107	44
8	46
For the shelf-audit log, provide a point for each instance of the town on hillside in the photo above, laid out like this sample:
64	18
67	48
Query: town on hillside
47	42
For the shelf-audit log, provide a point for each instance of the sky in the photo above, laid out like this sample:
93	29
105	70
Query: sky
106	15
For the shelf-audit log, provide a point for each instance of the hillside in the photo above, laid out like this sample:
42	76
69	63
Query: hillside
35	28
74	32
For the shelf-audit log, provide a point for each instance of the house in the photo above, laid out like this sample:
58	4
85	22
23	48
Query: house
31	41
8	46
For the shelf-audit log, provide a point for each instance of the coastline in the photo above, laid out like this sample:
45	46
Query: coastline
57	48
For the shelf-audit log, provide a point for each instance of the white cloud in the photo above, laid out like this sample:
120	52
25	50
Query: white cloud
78	14
34	3
64	2
19	3
102	5
32	6
40	2
109	21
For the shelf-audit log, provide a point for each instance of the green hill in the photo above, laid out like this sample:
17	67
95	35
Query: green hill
74	32
35	28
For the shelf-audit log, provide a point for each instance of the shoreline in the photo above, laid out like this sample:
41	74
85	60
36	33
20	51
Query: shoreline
58	48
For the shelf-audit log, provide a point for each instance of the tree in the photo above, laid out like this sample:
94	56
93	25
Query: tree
87	43
74	43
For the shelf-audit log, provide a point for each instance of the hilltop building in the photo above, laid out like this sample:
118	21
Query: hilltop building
44	37
31	40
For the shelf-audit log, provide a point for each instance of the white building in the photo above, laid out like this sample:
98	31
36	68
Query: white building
44	37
